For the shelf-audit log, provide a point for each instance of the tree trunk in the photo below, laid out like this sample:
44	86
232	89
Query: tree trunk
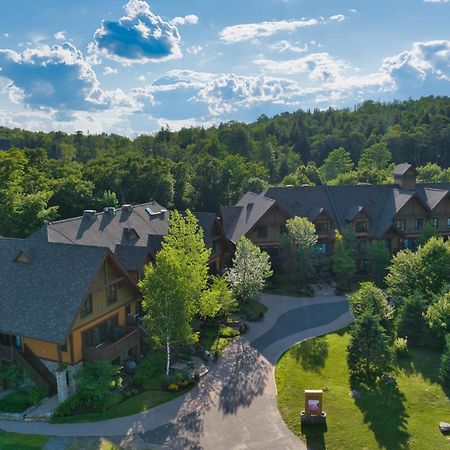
168	357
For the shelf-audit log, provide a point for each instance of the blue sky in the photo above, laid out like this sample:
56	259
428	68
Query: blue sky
133	66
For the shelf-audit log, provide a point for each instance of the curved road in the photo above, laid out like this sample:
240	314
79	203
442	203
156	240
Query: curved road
233	407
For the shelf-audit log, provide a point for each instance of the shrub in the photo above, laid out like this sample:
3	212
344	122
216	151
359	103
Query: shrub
401	347
73	405
13	375
228	332
444	369
18	401
150	369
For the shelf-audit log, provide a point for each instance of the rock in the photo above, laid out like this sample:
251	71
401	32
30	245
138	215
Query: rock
389	379
355	394
444	427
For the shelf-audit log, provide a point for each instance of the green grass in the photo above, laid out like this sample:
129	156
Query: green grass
12	441
18	401
211	339
392	418
136	404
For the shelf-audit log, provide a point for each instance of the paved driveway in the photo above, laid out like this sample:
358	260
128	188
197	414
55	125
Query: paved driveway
234	407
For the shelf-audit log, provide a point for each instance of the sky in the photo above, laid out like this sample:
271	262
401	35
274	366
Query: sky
132	67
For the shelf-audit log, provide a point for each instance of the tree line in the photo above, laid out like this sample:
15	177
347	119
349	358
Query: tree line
45	176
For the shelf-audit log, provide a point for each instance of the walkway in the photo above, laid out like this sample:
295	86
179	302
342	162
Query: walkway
234	406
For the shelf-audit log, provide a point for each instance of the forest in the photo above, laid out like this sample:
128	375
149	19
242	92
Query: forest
55	175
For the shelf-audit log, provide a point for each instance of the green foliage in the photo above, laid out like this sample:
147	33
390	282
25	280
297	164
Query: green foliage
444	369
218	300
402	278
13	375
438	316
337	162
427	233
21	399
410	322
228	332
96	390
432	173
251	268
343	262
401	347
150	369
301	232
378	259
371	300
375	158
368	354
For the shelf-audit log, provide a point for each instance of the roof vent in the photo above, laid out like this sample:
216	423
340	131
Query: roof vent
127	208
110	211
289	186
89	214
305	185
152	213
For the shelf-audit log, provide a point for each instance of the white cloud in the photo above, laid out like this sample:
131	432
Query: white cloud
338	18
60	35
142	78
283	46
190	19
250	31
194	49
437	1
319	66
137	38
109	71
6	35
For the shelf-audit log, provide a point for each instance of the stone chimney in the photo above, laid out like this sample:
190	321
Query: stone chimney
405	176
127	208
89	214
109	211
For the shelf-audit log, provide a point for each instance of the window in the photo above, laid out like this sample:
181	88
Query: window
434	222
261	232
86	309
322	227
401	224
322	247
106	331
111	294
418	224
64	347
361	226
213	247
448	223
409	243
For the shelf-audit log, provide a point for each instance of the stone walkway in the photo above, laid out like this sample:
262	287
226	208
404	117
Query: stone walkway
234	406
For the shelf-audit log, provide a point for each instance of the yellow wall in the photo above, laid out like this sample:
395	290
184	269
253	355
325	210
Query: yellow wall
100	312
273	220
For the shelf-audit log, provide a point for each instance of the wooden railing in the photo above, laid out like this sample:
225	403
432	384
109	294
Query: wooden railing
6	353
109	351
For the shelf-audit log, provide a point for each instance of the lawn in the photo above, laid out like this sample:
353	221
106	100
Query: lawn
136	404
392	418
12	441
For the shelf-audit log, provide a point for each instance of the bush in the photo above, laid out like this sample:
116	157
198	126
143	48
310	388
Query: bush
444	369
410	320
228	332
150	369
13	375
401	347
21	399
175	382
73	405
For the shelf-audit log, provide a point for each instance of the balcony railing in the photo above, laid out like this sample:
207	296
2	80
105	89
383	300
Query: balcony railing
109	351
6	353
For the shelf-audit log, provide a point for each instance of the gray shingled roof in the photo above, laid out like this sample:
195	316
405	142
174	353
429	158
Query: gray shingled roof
131	236
401	169
380	202
40	298
238	220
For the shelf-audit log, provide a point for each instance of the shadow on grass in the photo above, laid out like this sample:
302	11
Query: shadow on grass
311	354
314	436
382	405
424	361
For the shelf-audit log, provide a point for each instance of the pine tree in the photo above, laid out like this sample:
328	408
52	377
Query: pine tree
343	263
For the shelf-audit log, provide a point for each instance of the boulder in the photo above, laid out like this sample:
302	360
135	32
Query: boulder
444	427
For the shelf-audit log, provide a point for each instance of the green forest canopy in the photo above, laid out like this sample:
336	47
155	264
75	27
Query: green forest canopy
45	176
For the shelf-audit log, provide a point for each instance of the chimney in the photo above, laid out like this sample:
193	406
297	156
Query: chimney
405	176
89	214
110	211
163	213
127	208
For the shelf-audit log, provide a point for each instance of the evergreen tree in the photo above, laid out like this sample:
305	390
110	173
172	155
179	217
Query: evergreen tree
368	354
378	259
343	263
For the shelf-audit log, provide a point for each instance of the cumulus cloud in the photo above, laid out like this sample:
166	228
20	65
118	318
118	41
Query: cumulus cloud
109	71
137	38
56	77
250	31
194	49
437	1
283	46
190	19
424	68
337	18
60	35
319	66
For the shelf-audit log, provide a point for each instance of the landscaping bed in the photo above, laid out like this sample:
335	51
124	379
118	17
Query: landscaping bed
387	416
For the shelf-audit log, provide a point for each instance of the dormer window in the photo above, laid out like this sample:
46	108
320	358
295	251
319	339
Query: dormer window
401	224
361	226
86	309
434	222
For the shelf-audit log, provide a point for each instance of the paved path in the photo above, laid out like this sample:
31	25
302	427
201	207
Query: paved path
234	406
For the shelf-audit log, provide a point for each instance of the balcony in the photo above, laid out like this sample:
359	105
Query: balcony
109	351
